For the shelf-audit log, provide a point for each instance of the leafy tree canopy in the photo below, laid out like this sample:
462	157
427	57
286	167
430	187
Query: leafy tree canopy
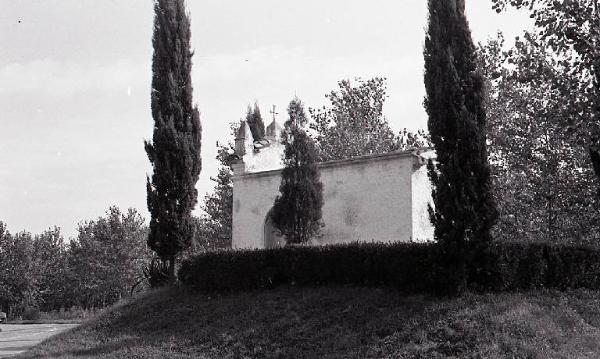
571	29
536	153
353	124
214	227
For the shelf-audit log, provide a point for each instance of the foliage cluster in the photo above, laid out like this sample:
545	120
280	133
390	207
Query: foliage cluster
570	31
513	266
355	117
401	265
297	211
43	273
32	270
174	151
214	226
70	315
463	210
409	267
255	122
536	152
353	123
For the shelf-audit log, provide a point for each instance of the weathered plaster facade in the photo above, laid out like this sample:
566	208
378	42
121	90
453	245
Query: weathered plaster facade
379	198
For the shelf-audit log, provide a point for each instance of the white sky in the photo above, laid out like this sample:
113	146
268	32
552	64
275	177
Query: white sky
75	85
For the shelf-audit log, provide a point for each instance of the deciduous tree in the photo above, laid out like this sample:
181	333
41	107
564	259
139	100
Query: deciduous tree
353	124
18	279
108	257
51	267
214	227
536	156
571	29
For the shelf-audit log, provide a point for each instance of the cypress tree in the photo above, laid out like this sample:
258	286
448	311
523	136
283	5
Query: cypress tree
175	148
297	209
255	122
464	211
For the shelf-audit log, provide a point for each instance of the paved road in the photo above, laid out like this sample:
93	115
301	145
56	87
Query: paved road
17	338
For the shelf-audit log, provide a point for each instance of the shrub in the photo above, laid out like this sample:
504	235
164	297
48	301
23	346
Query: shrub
73	313
156	273
402	265
520	266
409	267
31	313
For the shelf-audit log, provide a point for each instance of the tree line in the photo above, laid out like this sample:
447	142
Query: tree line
544	109
536	122
103	264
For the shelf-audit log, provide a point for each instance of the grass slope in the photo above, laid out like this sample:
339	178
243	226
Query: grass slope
338	323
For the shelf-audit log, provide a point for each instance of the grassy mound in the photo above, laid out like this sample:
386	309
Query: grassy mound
338	323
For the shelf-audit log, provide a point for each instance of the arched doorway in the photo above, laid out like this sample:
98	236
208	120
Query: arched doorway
270	237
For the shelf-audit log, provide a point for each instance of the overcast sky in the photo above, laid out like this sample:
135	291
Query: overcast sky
75	85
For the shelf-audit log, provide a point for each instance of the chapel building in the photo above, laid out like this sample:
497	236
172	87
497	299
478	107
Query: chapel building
374	198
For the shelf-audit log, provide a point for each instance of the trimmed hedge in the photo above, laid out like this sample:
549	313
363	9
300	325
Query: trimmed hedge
356	264
518	266
409	267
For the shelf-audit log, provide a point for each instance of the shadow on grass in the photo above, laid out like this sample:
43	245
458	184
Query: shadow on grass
338	323
96	351
106	348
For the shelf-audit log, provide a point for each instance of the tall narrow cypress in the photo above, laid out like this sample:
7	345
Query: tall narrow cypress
175	148
464	211
255	122
297	211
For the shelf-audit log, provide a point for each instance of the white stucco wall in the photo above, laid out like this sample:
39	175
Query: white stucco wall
421	198
365	199
253	197
268	158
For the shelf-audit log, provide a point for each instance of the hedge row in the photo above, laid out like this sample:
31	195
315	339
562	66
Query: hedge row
517	266
409	267
400	265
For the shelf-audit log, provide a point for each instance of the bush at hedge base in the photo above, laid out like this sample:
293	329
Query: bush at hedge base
409	267
406	266
521	266
31	313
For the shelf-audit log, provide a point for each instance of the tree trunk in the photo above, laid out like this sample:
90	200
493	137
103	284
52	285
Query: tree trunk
551	231
172	278
595	159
